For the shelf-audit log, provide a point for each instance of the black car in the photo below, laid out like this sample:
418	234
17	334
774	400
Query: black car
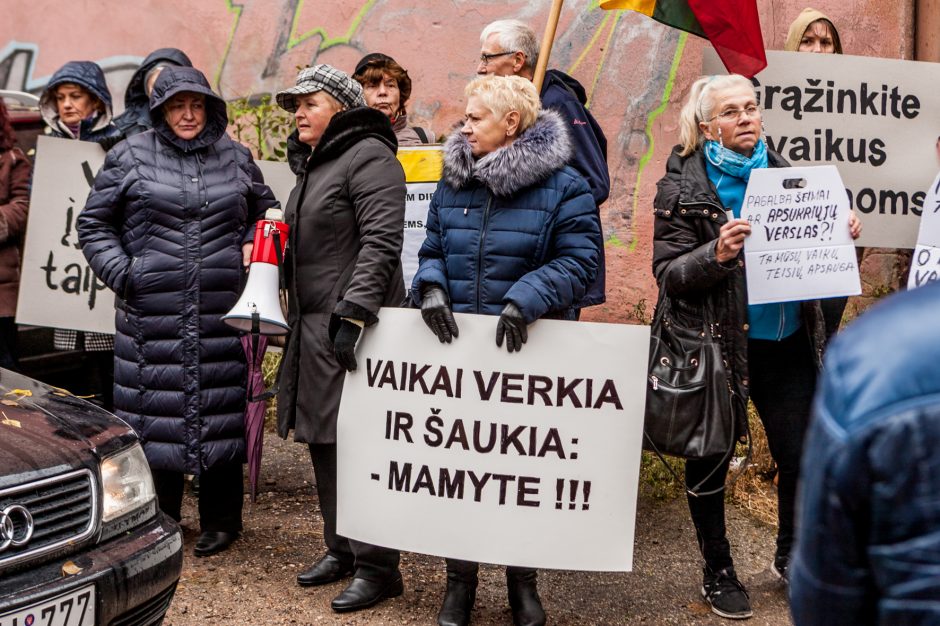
82	542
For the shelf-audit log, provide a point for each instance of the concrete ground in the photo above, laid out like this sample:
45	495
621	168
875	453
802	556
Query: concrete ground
253	581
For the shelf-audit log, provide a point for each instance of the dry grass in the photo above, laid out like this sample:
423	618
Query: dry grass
754	491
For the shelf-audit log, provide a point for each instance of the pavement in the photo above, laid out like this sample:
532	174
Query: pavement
254	581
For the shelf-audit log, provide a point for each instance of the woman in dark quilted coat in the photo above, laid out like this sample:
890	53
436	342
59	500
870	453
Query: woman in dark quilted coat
76	104
512	232
168	227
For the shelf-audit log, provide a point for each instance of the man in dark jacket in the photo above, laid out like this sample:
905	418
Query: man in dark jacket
136	116
510	47
868	548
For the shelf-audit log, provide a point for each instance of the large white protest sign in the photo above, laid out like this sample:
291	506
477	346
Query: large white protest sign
873	118
925	264
799	247
57	287
467	451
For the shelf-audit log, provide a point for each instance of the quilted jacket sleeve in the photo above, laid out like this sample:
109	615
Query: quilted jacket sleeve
260	196
571	258
432	268
98	223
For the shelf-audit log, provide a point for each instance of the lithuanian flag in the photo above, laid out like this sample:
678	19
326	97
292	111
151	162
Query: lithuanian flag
732	26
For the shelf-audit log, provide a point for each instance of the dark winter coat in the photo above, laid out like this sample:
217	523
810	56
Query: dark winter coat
516	225
688	216
136	116
89	77
564	94
15	170
346	216
163	227
868	550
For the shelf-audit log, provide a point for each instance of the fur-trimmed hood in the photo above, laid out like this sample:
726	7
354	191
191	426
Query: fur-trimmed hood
540	151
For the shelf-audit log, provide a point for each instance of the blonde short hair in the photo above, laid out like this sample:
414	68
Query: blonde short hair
502	94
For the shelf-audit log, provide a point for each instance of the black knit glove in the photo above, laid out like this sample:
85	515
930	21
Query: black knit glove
436	313
344	344
512	325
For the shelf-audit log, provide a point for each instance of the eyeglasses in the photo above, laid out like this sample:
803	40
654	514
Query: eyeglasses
485	58
733	115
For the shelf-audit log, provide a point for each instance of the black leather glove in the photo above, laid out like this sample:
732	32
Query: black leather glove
436	313
512	325
344	344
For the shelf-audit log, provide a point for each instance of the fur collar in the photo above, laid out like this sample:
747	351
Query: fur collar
543	149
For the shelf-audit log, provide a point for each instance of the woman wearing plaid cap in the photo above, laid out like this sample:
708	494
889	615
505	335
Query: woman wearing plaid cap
346	215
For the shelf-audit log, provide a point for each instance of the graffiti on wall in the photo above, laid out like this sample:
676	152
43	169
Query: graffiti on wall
627	64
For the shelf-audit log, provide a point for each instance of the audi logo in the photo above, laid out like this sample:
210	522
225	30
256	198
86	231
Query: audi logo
16	526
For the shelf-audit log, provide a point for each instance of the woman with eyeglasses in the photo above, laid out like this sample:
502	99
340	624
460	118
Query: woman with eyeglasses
772	351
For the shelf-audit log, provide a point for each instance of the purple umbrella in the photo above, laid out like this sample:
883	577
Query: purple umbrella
254	411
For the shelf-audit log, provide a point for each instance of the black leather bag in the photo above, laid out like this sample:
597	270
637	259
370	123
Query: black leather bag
688	398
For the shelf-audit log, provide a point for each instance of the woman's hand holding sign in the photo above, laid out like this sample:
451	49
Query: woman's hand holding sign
731	239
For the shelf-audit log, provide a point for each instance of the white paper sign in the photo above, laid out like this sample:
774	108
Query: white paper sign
467	451
873	118
57	286
925	265
418	200
800	247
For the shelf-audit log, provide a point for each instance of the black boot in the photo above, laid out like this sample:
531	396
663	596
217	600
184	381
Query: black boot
524	597
458	601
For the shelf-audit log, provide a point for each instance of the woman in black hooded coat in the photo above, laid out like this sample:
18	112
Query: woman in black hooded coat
167	227
136	116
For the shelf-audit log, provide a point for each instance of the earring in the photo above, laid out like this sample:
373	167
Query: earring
722	143
763	130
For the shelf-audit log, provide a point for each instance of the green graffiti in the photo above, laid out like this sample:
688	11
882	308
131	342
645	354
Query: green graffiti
648	155
590	44
326	42
600	65
614	241
237	10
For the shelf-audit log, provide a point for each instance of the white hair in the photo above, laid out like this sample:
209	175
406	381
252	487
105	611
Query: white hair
700	105
514	36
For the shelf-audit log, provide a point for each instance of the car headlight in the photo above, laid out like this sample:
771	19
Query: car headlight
127	483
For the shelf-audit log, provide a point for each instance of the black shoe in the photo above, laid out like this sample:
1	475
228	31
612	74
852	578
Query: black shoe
327	570
524	599
458	603
362	593
725	594
213	541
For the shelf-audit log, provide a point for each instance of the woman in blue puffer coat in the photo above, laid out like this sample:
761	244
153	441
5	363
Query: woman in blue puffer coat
511	232
168	227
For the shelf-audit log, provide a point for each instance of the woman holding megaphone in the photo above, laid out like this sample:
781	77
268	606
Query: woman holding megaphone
168	227
345	217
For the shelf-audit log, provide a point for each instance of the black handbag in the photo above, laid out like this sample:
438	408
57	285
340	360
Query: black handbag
689	398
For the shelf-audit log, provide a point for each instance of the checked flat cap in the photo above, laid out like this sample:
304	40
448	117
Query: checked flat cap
337	83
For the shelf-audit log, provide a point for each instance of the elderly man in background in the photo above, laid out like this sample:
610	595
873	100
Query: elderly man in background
510	48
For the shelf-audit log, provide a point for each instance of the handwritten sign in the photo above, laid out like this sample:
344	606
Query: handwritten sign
799	247
441	445
925	265
870	117
57	287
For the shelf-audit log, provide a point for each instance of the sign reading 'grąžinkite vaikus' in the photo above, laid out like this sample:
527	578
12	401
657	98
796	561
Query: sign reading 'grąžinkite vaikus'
872	118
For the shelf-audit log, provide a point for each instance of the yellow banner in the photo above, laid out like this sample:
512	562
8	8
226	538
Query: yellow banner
422	165
646	7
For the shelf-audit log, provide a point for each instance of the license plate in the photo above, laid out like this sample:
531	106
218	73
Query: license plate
72	609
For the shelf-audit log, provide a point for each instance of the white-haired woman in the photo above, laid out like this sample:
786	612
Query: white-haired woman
511	233
773	351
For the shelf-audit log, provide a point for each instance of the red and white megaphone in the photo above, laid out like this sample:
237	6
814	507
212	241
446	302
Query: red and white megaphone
258	309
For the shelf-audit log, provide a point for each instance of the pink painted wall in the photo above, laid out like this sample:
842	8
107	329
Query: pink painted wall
255	46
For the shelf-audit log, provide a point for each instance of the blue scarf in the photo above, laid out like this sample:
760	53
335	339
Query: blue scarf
734	163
